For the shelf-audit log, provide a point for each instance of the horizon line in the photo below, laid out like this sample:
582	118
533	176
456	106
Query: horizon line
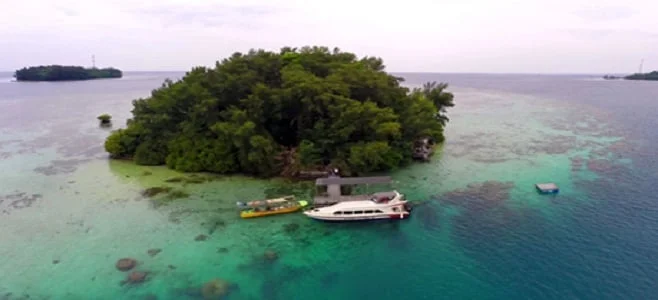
427	72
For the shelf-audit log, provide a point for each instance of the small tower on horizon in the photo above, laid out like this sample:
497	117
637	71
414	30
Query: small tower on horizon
93	61
641	65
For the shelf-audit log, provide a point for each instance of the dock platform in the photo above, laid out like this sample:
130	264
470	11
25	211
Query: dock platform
547	188
328	189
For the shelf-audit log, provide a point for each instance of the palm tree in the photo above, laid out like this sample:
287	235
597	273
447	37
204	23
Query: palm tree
436	93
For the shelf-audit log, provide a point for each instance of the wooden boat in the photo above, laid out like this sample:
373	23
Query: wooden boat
263	208
267	202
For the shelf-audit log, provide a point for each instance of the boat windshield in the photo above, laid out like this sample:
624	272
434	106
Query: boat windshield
380	199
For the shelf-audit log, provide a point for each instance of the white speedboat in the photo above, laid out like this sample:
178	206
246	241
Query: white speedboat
376	208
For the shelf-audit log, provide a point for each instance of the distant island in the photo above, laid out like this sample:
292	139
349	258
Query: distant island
637	76
282	113
612	77
62	73
643	76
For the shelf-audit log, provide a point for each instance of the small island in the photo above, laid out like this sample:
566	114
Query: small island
612	77
105	120
643	76
64	73
281	113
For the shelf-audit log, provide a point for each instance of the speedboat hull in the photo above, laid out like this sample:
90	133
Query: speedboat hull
363	210
405	215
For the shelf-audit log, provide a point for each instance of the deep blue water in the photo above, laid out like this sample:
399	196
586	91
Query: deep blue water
610	245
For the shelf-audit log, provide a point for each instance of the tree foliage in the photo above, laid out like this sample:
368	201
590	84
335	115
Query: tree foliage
643	76
272	113
104	118
60	73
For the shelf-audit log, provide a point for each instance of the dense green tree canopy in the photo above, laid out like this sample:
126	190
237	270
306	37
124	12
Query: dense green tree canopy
268	114
59	73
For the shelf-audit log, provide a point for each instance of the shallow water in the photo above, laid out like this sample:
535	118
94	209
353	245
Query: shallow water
480	231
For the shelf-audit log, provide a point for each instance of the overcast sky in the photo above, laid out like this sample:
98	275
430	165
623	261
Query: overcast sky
541	36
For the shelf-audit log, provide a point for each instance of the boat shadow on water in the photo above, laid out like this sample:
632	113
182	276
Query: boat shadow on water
390	231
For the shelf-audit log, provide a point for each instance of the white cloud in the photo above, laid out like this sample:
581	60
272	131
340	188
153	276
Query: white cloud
413	35
605	13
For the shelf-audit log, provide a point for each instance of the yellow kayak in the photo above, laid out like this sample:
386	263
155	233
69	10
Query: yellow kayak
254	213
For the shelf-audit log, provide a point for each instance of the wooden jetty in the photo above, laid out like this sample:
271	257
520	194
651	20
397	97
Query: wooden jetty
547	188
333	194
312	174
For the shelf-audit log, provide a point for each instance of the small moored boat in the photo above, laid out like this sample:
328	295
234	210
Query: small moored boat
376	208
547	188
262	208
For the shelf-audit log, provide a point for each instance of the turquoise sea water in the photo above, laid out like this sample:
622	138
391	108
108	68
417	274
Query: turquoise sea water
480	230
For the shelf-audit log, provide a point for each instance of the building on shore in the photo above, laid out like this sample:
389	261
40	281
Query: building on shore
334	189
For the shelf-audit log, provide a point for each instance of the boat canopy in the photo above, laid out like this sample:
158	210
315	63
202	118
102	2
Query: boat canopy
268	201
